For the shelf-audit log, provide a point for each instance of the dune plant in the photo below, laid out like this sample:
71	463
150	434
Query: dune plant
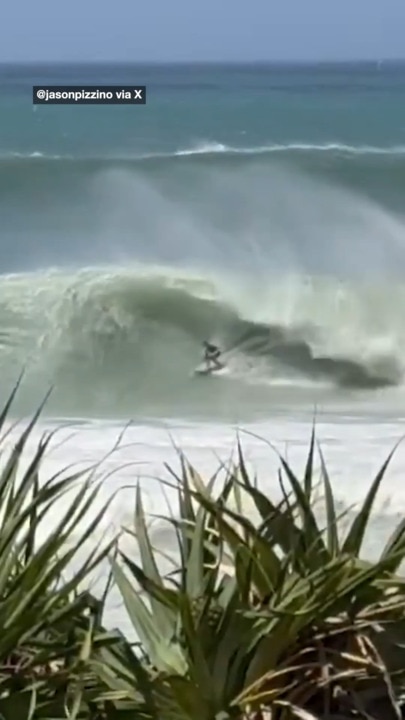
277	618
50	623
265	619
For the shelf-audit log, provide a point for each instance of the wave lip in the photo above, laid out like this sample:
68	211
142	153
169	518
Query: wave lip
335	147
204	148
216	148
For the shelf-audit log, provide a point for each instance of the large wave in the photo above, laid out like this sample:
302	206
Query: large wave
118	341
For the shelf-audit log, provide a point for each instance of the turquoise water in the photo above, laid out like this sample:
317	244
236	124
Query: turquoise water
241	106
260	206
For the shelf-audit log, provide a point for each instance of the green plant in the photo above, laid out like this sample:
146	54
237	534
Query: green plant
49	623
280	616
274	618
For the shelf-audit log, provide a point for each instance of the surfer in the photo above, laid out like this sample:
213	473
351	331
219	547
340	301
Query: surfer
212	354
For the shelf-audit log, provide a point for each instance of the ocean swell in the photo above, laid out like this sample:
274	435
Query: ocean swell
314	208
375	171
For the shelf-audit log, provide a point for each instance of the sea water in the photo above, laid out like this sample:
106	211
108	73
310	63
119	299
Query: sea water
258	206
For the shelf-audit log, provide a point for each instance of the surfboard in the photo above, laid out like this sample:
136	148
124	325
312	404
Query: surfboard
203	370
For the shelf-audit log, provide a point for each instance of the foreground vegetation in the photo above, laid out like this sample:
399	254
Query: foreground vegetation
264	619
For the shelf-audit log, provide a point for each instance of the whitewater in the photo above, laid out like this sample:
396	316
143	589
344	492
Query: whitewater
272	226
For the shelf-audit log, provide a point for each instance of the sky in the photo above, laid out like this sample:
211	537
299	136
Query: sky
186	30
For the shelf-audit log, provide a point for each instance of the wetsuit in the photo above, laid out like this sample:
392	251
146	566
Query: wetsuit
212	355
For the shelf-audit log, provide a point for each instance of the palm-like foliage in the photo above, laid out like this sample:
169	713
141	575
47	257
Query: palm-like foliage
273	618
280	616
49	623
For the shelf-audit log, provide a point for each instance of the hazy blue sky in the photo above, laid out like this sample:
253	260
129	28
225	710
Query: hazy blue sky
209	29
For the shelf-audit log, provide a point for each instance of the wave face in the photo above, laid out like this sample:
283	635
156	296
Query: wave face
115	341
270	220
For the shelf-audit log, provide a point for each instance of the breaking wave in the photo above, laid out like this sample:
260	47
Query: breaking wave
118	341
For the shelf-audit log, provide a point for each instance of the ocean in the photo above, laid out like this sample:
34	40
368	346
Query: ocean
258	206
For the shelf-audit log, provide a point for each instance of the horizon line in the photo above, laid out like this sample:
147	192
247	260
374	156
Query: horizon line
348	61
